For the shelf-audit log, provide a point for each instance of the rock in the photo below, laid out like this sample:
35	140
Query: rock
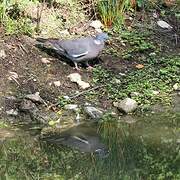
35	97
83	85
28	106
66	97
75	77
73	107
93	112
155	92
57	83
2	53
96	24
176	87
12	112
99	30
134	94
46	60
64	32
127	105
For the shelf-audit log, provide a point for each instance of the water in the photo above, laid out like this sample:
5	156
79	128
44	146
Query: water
146	149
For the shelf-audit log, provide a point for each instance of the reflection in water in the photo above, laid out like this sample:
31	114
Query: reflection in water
83	137
6	133
147	149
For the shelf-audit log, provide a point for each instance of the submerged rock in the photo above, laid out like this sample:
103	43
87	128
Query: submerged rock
127	105
93	112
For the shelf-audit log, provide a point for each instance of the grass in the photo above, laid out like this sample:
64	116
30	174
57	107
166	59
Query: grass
158	73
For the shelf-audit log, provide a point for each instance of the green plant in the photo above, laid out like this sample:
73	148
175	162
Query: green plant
20	26
112	11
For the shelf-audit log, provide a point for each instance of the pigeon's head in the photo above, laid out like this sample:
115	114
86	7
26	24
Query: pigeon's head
102	37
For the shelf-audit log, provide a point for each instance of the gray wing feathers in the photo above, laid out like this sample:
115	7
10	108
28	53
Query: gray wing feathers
73	48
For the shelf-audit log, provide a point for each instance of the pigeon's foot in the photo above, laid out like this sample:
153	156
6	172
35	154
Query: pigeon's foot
76	67
89	68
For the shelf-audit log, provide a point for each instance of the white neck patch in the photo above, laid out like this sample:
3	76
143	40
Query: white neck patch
98	42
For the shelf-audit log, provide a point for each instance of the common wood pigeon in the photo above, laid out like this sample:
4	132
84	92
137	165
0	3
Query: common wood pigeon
78	50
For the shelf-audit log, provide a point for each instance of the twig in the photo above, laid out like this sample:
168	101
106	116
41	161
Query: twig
23	48
83	92
15	80
78	94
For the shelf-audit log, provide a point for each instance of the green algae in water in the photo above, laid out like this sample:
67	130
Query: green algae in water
147	149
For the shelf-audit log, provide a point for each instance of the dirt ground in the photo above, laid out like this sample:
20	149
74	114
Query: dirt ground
23	58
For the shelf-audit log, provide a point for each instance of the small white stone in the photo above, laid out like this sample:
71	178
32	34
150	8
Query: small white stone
134	94
64	32
66	97
2	53
57	83
96	24
12	112
155	92
176	87
45	60
71	107
74	77
98	30
83	85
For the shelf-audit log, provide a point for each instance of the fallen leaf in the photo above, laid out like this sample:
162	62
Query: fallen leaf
164	24
139	66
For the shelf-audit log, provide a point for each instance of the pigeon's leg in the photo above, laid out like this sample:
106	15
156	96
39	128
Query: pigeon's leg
76	66
89	67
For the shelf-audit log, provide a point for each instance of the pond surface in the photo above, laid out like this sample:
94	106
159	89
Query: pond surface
146	149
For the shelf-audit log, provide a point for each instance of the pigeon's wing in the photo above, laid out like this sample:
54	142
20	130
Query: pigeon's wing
74	48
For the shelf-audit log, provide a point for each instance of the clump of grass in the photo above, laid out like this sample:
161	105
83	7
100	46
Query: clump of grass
112	11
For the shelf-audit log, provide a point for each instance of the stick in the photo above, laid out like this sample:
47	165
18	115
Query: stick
78	94
83	92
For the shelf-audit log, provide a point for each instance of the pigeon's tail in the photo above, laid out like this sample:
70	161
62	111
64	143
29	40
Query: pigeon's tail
42	40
